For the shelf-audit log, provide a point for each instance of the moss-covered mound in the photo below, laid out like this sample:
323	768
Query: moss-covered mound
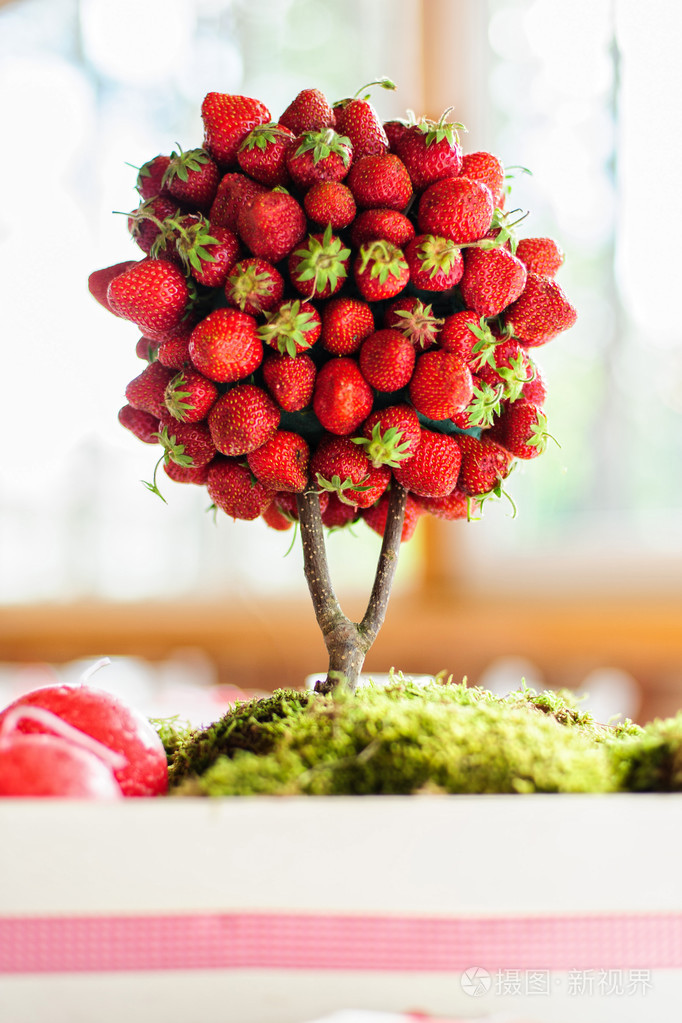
407	738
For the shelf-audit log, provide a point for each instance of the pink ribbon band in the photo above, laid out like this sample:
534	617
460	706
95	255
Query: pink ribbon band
286	941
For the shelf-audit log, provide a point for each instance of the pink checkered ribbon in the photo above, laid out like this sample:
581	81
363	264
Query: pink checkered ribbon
290	941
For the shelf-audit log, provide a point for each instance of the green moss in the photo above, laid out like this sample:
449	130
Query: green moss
404	738
173	733
650	758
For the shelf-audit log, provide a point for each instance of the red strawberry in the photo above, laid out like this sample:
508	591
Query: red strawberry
233	489
492	280
540	313
377	514
457	208
507	364
431	151
342	398
342	468
271	224
292	327
330	202
318	156
243	420
99	281
380	182
396	129
380	270
143	425
188	444
208	253
152	293
147	350
189	396
485	465
309	111
196	474
282	462
233	193
387	360
227	121
146	223
336	514
372	225
290	381
263	153
147	391
434	469
415	320
150	177
275	518
461	332
225	345
456	505
441	385
435	263
346	322
254	286
487	169
319	267
390	435
534	390
540	255
192	178
174	352
358	119
522	430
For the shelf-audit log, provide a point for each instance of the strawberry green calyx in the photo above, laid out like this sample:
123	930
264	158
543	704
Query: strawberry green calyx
419	324
487	342
339	487
173	452
386	260
442	130
437	255
485	405
386	448
175	396
264	135
504	230
181	163
515	376
248	285
323	143
190	238
322	262
286	328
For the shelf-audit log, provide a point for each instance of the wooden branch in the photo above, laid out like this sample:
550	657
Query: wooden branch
387	564
347	642
315	564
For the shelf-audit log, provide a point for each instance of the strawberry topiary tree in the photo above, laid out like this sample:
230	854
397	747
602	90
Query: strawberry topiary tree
338	323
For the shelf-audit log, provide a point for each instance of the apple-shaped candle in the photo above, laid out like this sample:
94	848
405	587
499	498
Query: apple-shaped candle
62	762
142	768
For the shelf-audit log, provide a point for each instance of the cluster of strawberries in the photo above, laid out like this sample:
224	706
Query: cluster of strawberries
334	299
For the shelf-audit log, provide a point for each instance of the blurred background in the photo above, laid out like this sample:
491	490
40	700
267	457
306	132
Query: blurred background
582	588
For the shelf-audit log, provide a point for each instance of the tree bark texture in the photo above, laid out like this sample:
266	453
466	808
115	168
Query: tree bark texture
347	642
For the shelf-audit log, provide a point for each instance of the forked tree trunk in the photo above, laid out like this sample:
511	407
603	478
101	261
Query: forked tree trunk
347	642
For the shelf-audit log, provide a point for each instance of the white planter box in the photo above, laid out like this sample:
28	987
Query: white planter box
556	909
